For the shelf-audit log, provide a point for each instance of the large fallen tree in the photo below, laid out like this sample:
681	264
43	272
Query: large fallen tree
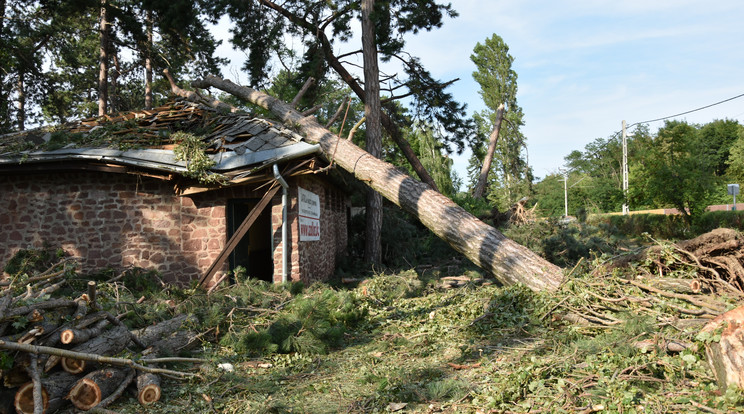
485	246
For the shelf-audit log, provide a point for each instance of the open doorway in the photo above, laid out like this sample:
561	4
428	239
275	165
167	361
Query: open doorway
254	251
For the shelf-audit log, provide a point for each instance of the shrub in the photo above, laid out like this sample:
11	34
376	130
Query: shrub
310	324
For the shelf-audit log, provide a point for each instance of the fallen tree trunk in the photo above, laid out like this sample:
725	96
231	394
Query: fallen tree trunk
485	246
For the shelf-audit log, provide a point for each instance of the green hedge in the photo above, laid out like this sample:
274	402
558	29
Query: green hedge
670	226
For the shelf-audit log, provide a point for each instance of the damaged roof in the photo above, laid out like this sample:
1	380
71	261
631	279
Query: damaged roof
237	143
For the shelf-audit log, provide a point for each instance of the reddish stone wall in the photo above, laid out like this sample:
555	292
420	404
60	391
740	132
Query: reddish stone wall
313	260
117	221
113	220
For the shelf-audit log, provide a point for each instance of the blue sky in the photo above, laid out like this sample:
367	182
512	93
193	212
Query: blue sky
584	66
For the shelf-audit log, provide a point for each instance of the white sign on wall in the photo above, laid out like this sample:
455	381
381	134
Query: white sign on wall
309	204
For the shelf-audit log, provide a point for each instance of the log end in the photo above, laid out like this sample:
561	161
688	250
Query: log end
149	394
726	356
73	366
24	399
67	336
85	395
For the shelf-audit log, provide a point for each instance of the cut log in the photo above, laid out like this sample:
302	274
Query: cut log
89	391
148	388
18	373
75	366
671	346
45	305
148	384
24	399
54	388
676	285
77	336
152	334
5	302
108	343
485	246
726	356
82	307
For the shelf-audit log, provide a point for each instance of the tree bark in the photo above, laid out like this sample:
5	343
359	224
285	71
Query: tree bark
485	246
148	61
480	187
372	109
152	334
195	97
21	90
103	60
113	105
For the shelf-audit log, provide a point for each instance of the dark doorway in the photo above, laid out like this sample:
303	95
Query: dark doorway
254	251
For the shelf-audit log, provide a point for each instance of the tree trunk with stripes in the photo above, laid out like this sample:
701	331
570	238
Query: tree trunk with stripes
485	246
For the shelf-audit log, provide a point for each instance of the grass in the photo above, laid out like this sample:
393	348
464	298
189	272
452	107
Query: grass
402	343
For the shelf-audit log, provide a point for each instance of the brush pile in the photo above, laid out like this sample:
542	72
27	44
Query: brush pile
61	346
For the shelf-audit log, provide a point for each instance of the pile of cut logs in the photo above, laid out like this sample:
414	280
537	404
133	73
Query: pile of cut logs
60	351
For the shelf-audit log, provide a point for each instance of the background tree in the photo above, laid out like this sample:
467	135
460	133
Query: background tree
679	171
735	161
25	34
373	247
717	137
498	82
170	33
600	166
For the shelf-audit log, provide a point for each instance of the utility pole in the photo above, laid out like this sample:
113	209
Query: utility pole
626	210
565	192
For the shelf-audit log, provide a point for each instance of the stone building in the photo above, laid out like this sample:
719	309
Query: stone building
113	192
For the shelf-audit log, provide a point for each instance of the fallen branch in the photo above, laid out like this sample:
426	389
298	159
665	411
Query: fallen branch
695	301
38	349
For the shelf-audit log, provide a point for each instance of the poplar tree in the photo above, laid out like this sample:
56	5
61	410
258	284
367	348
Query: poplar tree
498	82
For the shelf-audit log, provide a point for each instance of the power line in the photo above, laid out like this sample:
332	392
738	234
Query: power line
687	112
676	115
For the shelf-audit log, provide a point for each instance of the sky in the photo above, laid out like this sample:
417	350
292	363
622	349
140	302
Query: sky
584	66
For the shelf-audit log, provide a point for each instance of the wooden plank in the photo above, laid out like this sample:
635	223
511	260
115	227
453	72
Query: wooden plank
238	235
